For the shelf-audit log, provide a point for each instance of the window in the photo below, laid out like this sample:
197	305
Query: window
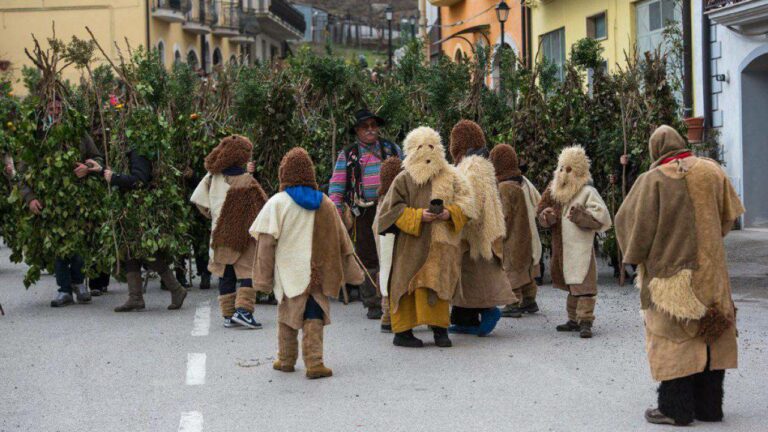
217	57
192	60
652	17
553	50
596	27
176	57
161	52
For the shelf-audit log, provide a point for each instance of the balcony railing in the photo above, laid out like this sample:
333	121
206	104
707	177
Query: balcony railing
716	4
229	20
285	12
205	13
172	11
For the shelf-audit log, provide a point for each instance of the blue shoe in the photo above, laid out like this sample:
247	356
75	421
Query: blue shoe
245	318
228	323
457	329
488	320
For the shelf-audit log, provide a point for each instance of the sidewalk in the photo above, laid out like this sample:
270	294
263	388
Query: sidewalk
748	262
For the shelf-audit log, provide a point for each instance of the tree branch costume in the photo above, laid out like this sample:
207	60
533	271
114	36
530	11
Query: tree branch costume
484	285
232	199
575	212
304	256
427	260
522	244
671	226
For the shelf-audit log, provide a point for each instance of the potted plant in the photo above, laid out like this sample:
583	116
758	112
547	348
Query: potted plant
695	128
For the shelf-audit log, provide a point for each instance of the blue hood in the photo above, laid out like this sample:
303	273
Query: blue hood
305	196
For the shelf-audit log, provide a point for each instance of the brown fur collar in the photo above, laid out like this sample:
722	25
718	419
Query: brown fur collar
234	150
390	168
244	201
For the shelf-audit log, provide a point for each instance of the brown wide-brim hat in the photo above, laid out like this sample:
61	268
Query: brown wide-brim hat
233	150
466	135
505	162
297	169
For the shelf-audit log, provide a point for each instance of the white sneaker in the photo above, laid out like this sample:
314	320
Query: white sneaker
228	323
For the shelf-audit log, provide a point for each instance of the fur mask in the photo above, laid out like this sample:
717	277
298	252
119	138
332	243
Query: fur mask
233	150
297	169
425	154
504	159
571	175
465	136
390	168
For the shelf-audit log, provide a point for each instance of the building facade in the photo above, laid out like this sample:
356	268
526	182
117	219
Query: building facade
203	33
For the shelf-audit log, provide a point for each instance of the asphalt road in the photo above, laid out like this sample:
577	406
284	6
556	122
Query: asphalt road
86	368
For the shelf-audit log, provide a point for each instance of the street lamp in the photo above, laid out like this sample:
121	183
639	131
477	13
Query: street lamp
412	20
502	13
388	14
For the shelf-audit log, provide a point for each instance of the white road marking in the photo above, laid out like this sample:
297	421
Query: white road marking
202	322
196	368
191	421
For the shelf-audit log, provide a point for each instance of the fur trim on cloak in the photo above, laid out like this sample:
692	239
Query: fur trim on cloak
488	226
675	297
244	201
571	175
425	154
233	150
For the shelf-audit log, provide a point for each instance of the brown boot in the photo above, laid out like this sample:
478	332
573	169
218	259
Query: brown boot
178	292
585	329
312	349
135	297
287	348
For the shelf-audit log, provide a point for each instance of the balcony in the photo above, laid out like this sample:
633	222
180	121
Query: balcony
229	21
201	18
278	19
171	11
444	3
746	17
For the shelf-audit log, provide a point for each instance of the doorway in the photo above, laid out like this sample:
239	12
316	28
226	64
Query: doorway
754	140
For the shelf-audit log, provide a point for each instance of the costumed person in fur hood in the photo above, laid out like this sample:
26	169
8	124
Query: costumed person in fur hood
671	225
574	211
484	285
232	198
304	256
385	243
522	244
427	206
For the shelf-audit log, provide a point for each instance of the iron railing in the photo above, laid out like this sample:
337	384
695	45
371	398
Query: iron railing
205	13
230	15
715	4
176	5
287	13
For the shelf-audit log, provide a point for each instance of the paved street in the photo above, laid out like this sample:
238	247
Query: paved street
86	368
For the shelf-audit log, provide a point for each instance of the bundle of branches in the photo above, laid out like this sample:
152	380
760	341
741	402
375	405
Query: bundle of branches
14	127
71	207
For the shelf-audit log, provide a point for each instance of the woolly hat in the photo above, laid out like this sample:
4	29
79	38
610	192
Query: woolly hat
465	136
665	142
390	168
504	159
233	150
297	169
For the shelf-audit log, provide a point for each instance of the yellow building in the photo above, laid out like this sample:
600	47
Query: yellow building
203	33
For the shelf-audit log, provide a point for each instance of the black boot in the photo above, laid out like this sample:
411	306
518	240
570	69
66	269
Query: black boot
205	281
374	313
406	339
512	311
529	308
441	337
568	327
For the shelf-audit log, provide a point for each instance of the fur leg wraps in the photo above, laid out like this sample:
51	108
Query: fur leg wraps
287	348
585	309
312	349
246	299
227	305
528	294
676	400
386	319
570	307
708	388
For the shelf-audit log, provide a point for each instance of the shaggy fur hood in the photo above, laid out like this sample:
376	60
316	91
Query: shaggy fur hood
390	168
665	142
504	160
244	201
466	135
488	226
297	169
425	154
571	175
234	150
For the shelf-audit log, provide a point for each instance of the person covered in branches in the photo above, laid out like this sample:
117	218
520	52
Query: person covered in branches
672	225
232	198
304	256
522	244
574	212
353	189
139	177
68	270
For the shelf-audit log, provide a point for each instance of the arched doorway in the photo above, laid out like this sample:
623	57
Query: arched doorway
161	52
754	139
217	57
192	60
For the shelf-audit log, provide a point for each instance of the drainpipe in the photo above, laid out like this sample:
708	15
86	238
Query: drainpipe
147	19
524	48
706	70
687	61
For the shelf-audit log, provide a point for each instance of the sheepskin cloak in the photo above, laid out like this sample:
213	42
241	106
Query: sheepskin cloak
483	281
431	260
232	203
672	225
385	248
522	245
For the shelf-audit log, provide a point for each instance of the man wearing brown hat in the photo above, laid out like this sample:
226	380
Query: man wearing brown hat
671	226
304	255
354	190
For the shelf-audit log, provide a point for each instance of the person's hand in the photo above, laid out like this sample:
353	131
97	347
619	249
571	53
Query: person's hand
547	218
426	216
81	170
251	167
93	166
35	207
108	175
9	168
188	173
624	159
444	216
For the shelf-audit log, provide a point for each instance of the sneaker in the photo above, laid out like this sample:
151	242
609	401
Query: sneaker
82	293
511	311
530	308
568	326
245	318
62	299
228	323
97	292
